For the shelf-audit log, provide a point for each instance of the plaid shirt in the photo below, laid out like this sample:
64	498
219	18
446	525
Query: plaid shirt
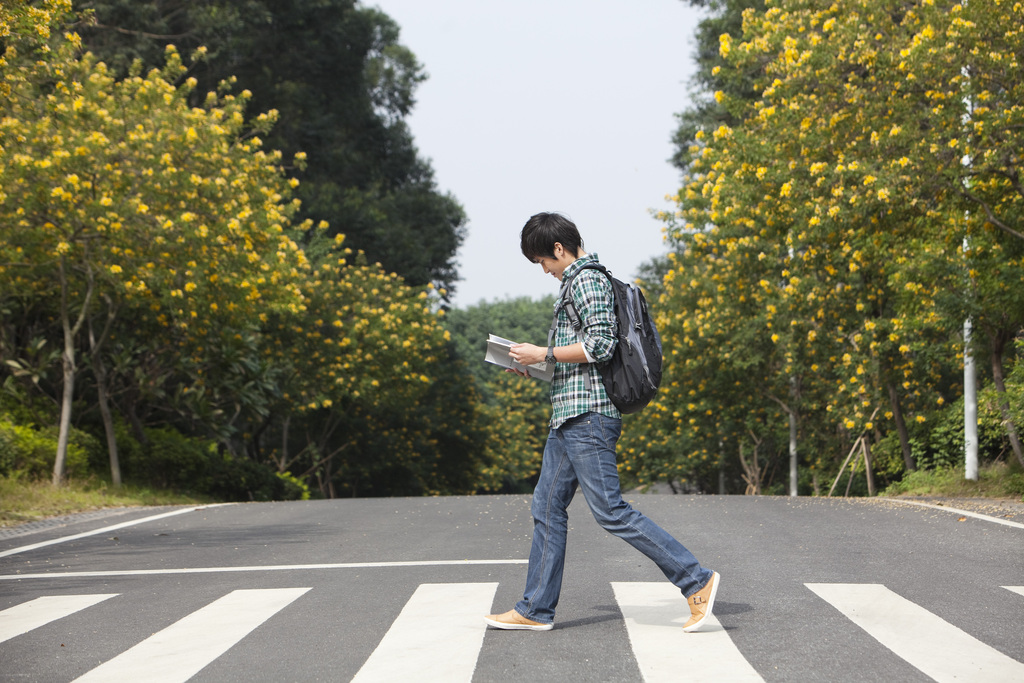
594	301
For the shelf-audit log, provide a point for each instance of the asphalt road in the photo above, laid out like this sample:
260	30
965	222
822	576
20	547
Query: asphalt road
812	590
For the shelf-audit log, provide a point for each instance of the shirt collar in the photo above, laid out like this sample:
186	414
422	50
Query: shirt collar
577	265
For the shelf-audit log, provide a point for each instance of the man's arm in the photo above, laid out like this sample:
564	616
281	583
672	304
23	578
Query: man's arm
528	354
595	303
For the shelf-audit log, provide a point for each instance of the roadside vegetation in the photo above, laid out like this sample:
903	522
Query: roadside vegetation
1000	480
30	501
235	286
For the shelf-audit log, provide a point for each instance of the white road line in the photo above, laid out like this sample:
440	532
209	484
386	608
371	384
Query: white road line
1015	589
655	614
104	530
933	645
437	636
253	568
966	513
35	613
181	650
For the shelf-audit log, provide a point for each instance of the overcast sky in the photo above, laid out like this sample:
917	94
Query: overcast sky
549	105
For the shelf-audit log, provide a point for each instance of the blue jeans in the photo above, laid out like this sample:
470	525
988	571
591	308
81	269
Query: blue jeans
582	451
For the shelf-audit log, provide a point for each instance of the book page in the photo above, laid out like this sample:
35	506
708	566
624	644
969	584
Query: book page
497	353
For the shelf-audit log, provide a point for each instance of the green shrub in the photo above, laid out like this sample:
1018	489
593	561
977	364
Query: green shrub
169	460
995	480
174	461
29	452
938	443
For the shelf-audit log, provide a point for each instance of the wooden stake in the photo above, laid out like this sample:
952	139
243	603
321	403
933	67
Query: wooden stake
845	463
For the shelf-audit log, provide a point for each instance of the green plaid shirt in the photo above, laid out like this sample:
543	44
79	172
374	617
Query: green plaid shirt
595	303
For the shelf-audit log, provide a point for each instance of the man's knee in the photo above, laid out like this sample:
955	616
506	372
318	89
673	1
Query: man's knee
612	518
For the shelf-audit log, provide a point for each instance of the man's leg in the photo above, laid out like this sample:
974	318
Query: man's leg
555	490
590	442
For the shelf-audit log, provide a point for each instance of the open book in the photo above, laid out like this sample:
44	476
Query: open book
497	353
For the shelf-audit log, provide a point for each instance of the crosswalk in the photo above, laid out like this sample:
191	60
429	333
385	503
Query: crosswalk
439	634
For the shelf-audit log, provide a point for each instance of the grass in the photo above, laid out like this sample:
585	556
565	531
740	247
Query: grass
997	480
26	501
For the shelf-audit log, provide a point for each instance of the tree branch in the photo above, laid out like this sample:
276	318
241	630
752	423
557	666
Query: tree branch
988	212
143	34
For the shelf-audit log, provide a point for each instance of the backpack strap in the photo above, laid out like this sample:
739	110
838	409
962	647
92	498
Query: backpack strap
570	310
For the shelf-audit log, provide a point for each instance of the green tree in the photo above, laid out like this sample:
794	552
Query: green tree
837	202
128	198
187	296
343	84
514	411
706	112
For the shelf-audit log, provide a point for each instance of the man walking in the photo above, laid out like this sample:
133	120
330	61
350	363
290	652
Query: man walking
580	449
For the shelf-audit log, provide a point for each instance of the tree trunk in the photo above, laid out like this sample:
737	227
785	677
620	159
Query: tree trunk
793	459
63	433
282	462
100	372
69	368
865	444
791	412
901	429
999	340
751	471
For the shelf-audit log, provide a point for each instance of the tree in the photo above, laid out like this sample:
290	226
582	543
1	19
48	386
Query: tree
129	199
343	85
513	411
841	185
706	112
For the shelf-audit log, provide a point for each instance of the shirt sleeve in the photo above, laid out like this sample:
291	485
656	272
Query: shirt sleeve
595	303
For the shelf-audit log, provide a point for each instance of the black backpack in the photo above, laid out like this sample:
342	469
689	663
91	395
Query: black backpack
632	375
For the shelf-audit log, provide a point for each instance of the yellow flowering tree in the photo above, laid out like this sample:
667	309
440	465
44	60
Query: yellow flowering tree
513	412
829	222
367	386
128	200
157	245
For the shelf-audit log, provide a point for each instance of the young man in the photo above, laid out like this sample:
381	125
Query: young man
580	449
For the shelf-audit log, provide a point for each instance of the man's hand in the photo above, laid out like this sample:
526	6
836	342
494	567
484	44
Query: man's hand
528	354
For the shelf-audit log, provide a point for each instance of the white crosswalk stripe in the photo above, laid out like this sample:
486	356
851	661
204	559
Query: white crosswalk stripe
655	614
928	642
30	615
179	651
437	636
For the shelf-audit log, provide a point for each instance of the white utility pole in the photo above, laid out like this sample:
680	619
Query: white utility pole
970	408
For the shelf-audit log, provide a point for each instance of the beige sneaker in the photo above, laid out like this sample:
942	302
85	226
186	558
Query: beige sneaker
701	603
513	620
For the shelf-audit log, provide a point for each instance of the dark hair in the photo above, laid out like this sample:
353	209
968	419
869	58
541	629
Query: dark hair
543	230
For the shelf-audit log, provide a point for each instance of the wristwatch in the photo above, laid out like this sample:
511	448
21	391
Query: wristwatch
551	355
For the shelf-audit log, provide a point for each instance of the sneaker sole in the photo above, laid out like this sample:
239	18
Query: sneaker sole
518	627
711	604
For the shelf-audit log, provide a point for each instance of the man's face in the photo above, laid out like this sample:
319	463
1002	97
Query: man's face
557	265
